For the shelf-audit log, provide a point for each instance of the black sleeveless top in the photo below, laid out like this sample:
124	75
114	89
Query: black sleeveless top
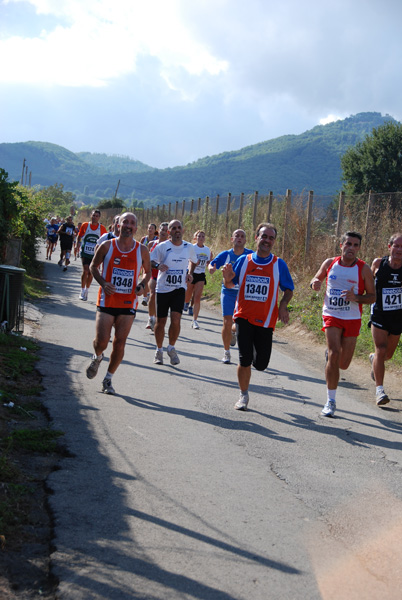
388	287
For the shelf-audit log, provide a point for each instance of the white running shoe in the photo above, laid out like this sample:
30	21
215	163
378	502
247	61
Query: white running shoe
381	398
195	325
226	357
174	359
242	402
85	294
149	324
153	321
107	387
82	296
233	338
329	409
92	368
158	360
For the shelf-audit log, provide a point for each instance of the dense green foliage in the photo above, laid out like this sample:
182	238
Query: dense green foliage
310	161
376	163
21	216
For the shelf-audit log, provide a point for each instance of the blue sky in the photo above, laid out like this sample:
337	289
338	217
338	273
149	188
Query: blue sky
170	81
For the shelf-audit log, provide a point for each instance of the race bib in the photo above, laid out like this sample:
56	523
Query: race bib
256	288
336	302
123	280
174	279
392	298
89	248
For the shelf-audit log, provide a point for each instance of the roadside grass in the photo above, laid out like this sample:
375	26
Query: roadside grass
24	434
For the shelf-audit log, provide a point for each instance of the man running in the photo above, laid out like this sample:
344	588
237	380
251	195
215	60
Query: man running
88	235
51	237
113	233
66	235
350	284
228	296
171	258
386	312
122	259
259	276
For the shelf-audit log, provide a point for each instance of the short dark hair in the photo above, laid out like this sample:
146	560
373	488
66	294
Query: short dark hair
96	211
351	234
268	226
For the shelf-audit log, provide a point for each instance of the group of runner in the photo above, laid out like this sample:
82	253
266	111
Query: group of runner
173	275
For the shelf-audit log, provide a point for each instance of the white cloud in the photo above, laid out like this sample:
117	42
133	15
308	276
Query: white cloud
99	41
330	119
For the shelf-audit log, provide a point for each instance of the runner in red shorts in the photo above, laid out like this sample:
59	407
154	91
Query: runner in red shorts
350	284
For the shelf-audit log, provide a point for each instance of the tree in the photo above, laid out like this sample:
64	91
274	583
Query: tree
376	163
59	200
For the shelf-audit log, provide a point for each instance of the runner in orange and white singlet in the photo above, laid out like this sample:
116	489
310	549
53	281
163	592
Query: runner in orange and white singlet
121	259
88	235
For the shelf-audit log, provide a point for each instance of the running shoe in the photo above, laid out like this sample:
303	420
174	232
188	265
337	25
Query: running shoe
158	360
381	398
85	295
145	301
65	269
329	409
226	357
60	262
92	368
190	311
81	296
371	358
149	324
242	402
174	359
195	325
185	307
107	387
233	338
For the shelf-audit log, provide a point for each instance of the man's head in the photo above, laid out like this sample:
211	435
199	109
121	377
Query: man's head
163	231
128	225
95	216
238	239
151	231
116	225
395	246
176	232
69	219
265	237
350	245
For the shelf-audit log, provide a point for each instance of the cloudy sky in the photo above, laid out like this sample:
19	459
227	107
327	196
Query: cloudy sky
170	81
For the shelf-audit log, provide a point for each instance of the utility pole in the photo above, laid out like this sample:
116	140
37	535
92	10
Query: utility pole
22	174
115	194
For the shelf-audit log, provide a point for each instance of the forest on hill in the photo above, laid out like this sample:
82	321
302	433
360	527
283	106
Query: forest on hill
309	161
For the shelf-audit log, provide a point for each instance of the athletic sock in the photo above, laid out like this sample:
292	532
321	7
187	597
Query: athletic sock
331	394
109	376
170	348
379	389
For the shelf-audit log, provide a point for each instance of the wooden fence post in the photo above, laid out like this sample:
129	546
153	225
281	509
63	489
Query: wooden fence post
270	201
288	203
192	206
206	214
308	227
340	217
255	204
199	205
176	209
239	222
217	208
370	203
183	209
228	211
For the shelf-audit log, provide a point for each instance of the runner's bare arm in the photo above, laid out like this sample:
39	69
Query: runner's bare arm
375	266
321	274
283	313
228	274
146	270
369	287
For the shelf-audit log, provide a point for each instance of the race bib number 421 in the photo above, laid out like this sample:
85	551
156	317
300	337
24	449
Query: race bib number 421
256	288
123	279
392	298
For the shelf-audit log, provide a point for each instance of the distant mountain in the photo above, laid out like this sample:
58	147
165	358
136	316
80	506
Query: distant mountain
309	161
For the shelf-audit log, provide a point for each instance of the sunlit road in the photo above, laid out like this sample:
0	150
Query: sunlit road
169	493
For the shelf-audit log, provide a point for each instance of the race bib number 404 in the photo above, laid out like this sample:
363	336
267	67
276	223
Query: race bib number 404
256	288
392	298
123	279
174	278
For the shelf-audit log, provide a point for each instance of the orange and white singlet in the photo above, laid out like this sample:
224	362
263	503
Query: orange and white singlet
122	269
340	278
257	300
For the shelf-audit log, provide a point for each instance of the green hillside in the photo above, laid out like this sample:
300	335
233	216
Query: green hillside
309	161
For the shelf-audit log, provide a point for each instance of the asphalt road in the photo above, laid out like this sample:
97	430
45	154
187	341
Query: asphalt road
169	493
